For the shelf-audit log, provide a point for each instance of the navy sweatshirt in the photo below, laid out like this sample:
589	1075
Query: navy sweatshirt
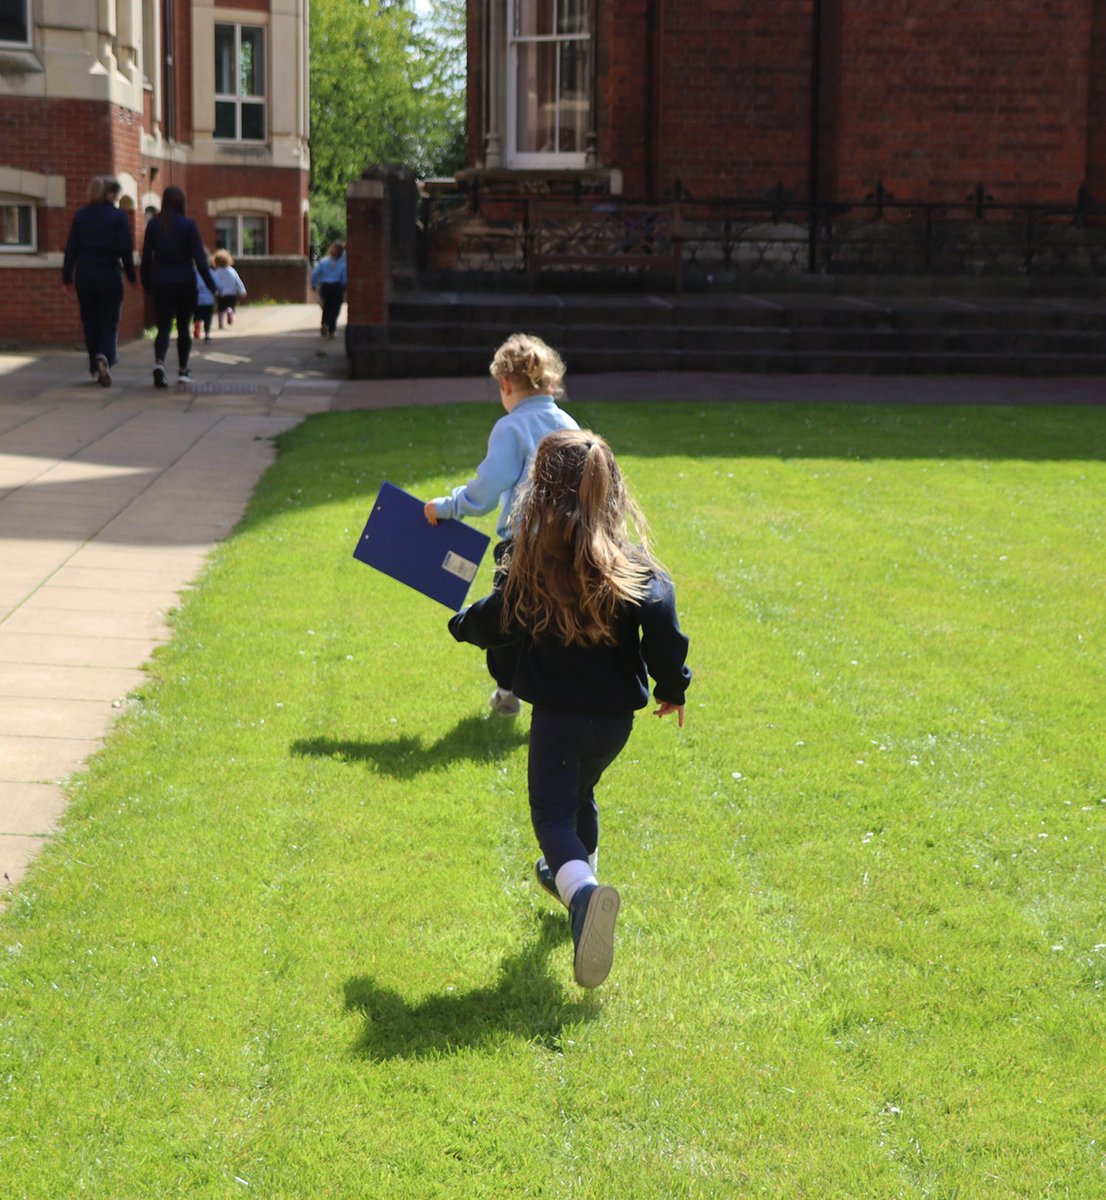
168	255
99	241
601	679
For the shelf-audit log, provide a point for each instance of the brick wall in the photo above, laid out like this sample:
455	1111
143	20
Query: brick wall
733	97
284	278
78	139
286	185
1096	105
931	96
934	96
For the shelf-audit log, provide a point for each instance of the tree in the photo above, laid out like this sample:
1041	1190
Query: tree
386	87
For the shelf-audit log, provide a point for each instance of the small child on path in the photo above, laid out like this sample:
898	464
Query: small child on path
530	375
228	286
205	307
591	616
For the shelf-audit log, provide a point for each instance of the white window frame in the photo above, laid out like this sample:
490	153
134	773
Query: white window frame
27	22
21	247
236	98
236	250
557	159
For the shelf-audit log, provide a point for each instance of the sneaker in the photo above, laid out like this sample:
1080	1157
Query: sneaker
207	340
593	911
159	376
103	371
184	376
546	879
506	703
196	327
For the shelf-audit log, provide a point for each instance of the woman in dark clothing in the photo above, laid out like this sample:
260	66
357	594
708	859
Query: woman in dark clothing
100	248
171	246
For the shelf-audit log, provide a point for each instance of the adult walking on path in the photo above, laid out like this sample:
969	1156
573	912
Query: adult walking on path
330	278
99	250
171	248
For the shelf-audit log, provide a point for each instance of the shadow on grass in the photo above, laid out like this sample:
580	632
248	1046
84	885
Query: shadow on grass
479	738
526	1002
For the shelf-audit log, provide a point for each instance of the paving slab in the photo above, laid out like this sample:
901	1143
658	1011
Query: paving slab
30	808
65	682
73	651
16	855
55	718
35	616
42	759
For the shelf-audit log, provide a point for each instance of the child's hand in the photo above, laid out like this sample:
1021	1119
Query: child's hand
666	709
430	512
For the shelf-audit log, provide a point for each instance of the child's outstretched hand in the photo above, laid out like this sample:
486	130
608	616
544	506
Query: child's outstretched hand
430	512
666	708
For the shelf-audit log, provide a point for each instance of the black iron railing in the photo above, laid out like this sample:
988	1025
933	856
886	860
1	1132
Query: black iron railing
708	241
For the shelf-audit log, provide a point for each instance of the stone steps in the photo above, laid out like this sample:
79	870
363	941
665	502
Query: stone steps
442	334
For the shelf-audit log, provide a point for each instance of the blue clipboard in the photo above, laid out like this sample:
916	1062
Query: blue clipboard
438	560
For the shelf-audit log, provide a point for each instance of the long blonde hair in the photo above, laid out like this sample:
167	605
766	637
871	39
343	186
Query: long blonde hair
572	564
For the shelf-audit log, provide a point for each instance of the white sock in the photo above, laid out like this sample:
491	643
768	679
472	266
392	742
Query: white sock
572	877
593	861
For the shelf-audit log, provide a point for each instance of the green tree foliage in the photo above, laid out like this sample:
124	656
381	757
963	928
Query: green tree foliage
386	87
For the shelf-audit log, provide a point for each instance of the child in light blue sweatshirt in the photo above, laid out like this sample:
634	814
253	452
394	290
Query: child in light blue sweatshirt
530	375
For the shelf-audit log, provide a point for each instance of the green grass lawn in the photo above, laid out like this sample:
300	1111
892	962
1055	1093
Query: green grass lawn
288	943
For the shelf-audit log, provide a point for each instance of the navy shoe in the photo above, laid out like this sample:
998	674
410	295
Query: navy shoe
593	911
545	878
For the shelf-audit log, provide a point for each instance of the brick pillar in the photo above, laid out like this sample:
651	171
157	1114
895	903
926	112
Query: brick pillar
368	252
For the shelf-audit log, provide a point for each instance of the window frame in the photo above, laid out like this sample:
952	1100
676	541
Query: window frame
236	98
559	159
31	247
27	41
235	251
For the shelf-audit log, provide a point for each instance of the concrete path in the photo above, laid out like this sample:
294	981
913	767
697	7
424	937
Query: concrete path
112	499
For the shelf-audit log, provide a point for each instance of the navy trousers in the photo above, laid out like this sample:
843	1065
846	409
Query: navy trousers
175	302
100	295
569	751
332	296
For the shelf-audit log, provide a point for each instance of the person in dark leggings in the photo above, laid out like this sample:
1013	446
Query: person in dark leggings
330	278
592	616
170	248
99	250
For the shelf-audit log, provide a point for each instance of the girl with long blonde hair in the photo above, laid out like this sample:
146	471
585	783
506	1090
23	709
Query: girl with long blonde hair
588	616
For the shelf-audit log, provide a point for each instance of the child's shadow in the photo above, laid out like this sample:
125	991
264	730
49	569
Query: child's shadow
482	739
526	1002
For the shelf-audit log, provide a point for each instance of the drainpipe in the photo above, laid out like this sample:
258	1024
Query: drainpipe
815	130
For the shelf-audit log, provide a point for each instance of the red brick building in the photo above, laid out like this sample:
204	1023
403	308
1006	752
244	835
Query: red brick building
209	95
718	99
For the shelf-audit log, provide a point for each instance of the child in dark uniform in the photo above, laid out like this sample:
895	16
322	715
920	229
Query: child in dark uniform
592	616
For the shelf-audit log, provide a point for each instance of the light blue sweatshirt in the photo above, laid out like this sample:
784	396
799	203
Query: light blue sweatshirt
329	270
511	447
203	292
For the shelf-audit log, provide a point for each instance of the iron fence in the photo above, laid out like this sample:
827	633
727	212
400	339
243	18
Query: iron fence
704	242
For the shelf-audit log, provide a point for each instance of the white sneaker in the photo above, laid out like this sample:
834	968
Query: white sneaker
506	703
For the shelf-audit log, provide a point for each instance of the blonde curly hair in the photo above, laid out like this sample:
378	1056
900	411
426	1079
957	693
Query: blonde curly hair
525	358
